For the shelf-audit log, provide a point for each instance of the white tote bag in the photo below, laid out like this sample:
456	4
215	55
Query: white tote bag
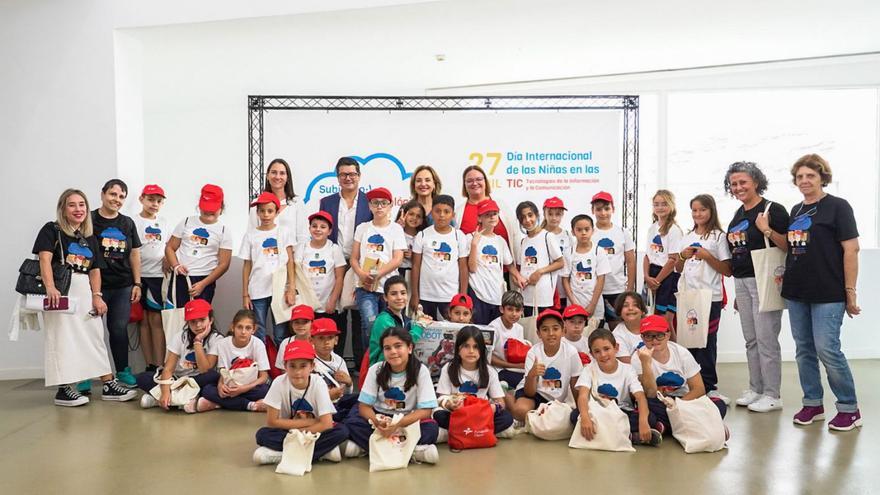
349	283
694	306
240	376
304	294
611	425
530	323
550	421
394	452
769	266
174	318
696	424
296	457
183	389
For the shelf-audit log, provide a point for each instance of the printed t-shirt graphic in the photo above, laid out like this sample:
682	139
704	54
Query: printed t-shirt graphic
376	243
270	247
669	382
114	243
79	257
302	408
489	254
443	252
799	234
657	244
739	237
584	272
552	379
395	398
608	391
606	244
153	234
199	237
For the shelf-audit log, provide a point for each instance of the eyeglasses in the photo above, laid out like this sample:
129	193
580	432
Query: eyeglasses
380	203
348	175
653	336
478	180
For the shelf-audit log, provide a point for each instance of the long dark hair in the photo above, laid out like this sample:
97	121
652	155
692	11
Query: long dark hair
409	205
465	334
714	224
189	336
288	186
413	366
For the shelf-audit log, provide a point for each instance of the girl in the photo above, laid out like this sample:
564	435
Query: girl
704	260
488	256
631	308
398	385
461	309
664	238
469	373
200	247
153	232
583	277
193	354
393	316
551	368
413	218
264	249
539	257
618	382
240	345
300	324
554	211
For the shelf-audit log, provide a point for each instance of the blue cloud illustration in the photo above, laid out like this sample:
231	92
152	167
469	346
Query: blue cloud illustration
606	243
363	161
395	393
317	263
552	374
531	251
803	222
270	242
202	232
740	226
657	240
468	387
113	233
696	244
607	390
376	239
191	357
490	249
301	404
77	250
152	230
670	379
444	248
584	269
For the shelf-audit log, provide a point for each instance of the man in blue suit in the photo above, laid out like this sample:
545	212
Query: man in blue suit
349	208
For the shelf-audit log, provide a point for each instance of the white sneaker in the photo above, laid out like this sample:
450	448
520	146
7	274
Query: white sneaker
148	401
351	450
747	398
766	404
510	432
714	394
334	455
426	453
442	435
265	455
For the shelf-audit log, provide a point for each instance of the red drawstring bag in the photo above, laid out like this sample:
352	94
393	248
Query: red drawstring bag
365	367
137	312
585	358
241	363
472	425
272	354
515	351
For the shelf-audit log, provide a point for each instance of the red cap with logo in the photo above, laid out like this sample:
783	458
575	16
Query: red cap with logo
548	313
575	310
653	323
323	215
554	202
299	349
302	312
487	206
324	326
462	300
196	309
266	198
602	196
211	199
379	193
151	189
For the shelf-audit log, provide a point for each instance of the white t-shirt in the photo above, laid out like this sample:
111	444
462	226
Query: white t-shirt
566	244
395	399
619	385
267	251
319	265
660	247
698	274
488	281
501	335
582	270
627	341
581	345
672	376
407	262
379	243
326	369
535	253
292	220
187	365
438	279
279	358
294	403
200	244
255	350
153	235
615	242
470	384
561	368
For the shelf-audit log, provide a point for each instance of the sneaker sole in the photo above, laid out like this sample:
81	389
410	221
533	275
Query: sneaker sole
66	403
856	424
119	398
818	417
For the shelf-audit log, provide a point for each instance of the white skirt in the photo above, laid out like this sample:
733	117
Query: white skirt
75	348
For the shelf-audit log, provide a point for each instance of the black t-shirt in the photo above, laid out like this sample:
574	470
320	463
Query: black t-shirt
116	238
743	236
80	253
814	265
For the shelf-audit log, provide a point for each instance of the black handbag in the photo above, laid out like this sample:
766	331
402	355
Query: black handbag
30	280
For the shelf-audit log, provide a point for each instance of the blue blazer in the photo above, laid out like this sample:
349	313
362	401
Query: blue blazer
330	204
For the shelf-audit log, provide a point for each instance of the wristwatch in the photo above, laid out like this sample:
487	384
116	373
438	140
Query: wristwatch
768	233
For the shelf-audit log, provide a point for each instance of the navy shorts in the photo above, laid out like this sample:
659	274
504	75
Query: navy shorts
664	297
151	294
538	398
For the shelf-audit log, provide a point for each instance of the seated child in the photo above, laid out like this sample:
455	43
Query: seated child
331	367
300	325
461	308
630	307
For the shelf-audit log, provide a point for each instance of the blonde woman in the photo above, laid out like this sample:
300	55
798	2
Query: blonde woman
664	237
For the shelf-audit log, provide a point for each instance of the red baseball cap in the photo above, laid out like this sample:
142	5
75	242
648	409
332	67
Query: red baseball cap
299	349
602	196
153	189
211	199
323	215
575	310
554	202
379	193
653	323
462	300
195	309
266	198
487	206
548	313
324	326
302	312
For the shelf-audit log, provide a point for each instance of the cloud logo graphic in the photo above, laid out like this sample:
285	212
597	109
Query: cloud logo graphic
606	243
191	357
444	248
607	390
201	232
113	233
531	251
395	393
468	387
376	239
77	250
657	240
802	222
317	263
270	242
302	404
670	379
583	269
490	249
552	374
404	175
740	226
696	244
152	230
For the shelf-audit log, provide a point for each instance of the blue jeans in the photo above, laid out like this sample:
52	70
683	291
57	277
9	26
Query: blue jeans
118	303
263	308
370	304
816	332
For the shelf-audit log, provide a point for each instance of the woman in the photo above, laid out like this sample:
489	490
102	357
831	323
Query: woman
751	225
424	186
74	343
291	217
475	187
819	286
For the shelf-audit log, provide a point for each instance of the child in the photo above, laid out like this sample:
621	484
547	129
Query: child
301	318
667	367
201	247
153	231
376	252
538	259
240	345
488	256
506	327
399	384
621	251
630	307
439	261
299	401
193	354
575	320
618	382
461	309
703	259
413	218
393	316
265	249
551	368
324	265
331	367
469	373
554	211
664	237
586	270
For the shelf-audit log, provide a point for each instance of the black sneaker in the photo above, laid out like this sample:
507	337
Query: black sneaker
113	390
68	396
655	441
151	368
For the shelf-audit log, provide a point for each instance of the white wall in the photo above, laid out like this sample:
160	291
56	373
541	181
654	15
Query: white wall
80	74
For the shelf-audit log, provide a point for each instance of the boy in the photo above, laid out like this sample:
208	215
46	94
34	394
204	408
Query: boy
461	309
620	250
575	318
331	367
301	318
153	232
